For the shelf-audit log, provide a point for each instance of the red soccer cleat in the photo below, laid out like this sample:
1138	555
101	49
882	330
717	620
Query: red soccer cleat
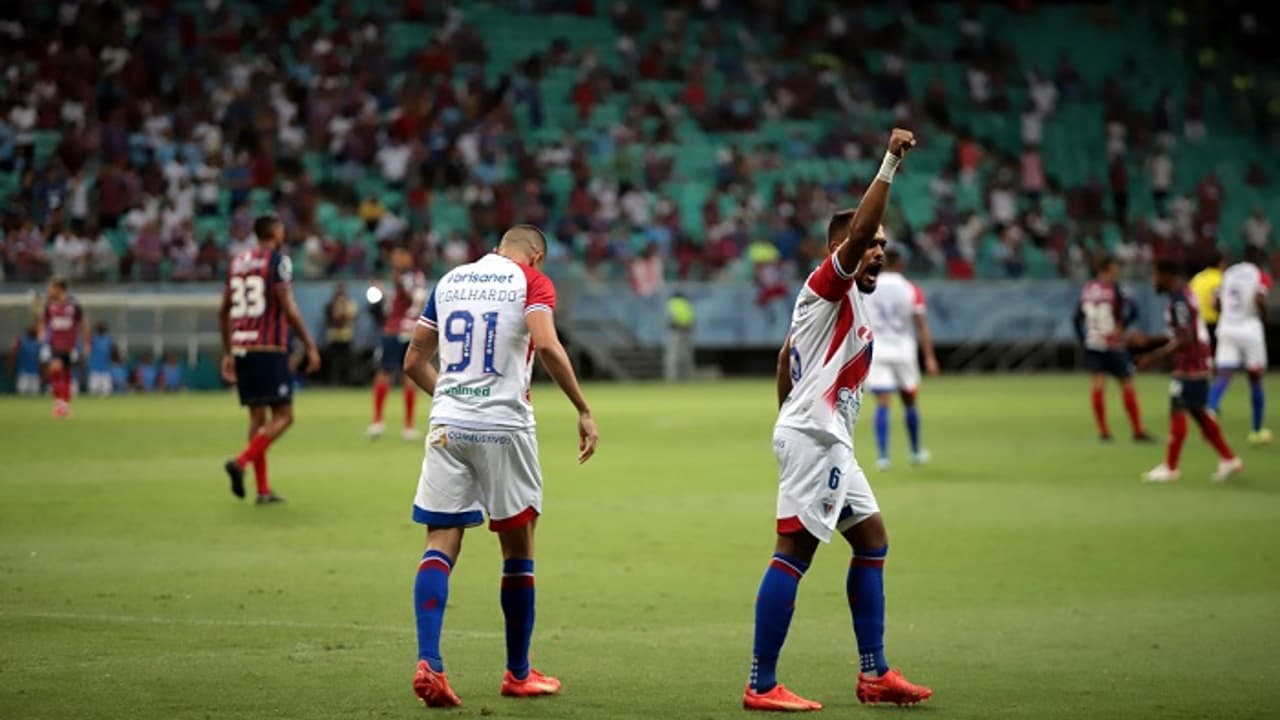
533	685
433	687
778	699
891	687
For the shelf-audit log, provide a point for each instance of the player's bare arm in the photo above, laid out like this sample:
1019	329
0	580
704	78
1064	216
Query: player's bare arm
542	330
224	329
925	337
1260	301
866	221
784	372
417	359
285	295
1180	338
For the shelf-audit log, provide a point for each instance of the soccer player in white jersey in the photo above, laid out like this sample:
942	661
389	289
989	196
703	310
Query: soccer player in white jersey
821	369
1242	310
898	316
487	319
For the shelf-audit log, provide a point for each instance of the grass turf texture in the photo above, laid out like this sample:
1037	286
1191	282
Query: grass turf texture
1031	574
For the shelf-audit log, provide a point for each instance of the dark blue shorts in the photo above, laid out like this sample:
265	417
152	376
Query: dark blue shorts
391	354
1191	395
263	378
1115	363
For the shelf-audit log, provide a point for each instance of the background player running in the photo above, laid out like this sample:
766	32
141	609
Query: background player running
899	319
398	314
62	328
481	451
1103	314
256	313
821	370
1242	340
1188	344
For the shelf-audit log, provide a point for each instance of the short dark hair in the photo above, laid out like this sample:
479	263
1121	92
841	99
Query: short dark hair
529	233
1103	262
1169	266
1214	258
59	282
1255	255
839	224
264	225
893	257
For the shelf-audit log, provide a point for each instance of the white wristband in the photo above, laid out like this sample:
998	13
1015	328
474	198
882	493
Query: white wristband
888	167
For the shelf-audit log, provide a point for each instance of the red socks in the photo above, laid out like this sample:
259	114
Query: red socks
380	388
260	474
60	383
1131	408
254	451
1100	412
1212	432
409	397
1177	433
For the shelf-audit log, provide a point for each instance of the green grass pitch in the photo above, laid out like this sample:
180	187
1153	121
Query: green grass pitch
1031	575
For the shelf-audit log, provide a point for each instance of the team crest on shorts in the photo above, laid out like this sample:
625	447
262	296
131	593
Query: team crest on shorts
439	436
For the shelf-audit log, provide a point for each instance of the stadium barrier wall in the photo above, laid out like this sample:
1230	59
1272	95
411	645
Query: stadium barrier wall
728	316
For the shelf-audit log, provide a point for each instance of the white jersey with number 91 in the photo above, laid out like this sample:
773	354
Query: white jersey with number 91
486	354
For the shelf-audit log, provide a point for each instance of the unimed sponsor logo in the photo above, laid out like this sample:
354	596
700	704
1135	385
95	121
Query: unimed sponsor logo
464	391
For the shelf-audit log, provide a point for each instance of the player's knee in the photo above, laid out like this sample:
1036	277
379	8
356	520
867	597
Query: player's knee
1255	375
800	545
883	398
908	397
870	534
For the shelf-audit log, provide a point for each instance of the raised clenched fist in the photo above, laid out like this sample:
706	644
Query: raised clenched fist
900	141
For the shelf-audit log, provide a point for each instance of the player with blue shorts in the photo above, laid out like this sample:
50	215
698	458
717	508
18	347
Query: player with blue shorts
1102	315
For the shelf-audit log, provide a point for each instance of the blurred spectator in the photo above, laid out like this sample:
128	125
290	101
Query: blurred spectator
171	373
70	254
102	256
1160	172
646	273
145	373
24	362
339	331
678	355
1257	228
101	345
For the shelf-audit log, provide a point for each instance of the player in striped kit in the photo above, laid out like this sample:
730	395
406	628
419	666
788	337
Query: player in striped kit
1102	315
63	329
1188	345
821	489
256	313
398	313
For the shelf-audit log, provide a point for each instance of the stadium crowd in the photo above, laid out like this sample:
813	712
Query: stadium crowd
137	141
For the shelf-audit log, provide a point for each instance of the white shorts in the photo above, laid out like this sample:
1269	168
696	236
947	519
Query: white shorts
821	488
889	375
28	384
100	383
1241	347
468	473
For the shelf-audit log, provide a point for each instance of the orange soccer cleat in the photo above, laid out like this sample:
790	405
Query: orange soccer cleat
777	699
533	685
433	687
891	687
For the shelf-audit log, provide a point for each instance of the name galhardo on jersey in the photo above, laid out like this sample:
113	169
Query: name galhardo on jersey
490	294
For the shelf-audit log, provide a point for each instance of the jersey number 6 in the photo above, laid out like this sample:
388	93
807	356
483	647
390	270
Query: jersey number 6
467	321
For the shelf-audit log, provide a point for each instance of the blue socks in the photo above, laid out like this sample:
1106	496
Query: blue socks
865	586
775	603
1258	401
913	427
430	593
517	607
882	430
1217	390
